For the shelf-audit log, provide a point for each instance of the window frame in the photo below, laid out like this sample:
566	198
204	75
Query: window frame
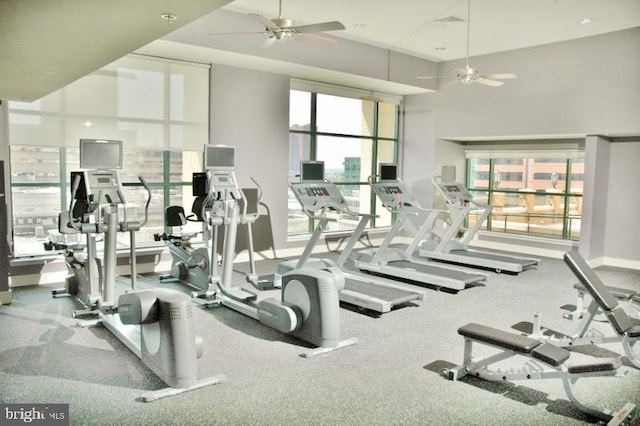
568	157
313	134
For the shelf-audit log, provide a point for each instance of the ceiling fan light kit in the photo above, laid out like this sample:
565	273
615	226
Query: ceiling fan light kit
470	75
282	29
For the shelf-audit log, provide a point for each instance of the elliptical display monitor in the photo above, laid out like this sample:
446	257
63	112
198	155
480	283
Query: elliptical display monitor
219	157
100	154
311	171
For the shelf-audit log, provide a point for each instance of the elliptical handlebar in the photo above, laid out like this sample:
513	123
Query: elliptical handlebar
74	189
259	189
146	206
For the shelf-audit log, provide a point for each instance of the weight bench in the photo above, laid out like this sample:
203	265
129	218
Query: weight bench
545	361
629	297
603	301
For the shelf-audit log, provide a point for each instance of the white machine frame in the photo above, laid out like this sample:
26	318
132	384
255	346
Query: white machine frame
396	197
543	361
460	203
309	307
156	325
318	200
603	301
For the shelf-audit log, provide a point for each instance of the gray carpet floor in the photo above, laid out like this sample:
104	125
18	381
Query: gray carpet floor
392	376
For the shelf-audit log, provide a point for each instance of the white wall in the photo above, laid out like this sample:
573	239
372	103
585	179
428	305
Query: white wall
250	109
573	88
584	86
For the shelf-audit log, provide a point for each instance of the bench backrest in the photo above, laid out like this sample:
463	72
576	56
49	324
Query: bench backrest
590	280
600	293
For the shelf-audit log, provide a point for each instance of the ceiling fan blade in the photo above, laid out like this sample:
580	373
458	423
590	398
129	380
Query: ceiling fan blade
263	20
317	39
320	27
269	41
501	76
238	33
487	82
436	78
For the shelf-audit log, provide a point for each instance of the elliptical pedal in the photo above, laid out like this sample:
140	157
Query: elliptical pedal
239	294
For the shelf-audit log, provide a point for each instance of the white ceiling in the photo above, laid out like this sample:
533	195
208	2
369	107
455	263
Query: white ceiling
411	26
45	45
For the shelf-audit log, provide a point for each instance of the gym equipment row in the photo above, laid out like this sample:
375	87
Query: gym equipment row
321	200
308	307
401	264
156	325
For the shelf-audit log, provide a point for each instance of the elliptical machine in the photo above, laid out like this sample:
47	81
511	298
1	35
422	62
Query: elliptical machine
309	306
157	325
192	265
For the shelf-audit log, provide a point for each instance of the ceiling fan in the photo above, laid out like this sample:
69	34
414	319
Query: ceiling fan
282	29
470	75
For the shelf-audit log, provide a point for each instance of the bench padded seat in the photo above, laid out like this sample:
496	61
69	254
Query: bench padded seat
551	354
500	338
602	365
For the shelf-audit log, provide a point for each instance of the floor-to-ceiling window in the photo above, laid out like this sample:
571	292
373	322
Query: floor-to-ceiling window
352	134
532	193
159	109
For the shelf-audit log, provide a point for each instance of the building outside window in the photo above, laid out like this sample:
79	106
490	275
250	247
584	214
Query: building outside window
352	136
158	108
532	194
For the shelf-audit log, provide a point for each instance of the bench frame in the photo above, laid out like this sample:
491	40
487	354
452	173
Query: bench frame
603	301
536	369
629	299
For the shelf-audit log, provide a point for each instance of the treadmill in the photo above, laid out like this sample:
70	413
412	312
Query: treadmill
320	198
448	249
400	264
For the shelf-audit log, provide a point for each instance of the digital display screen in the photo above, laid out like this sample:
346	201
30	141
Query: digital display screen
100	154
388	172
219	157
311	171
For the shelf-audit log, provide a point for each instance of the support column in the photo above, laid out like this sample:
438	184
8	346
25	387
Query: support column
594	200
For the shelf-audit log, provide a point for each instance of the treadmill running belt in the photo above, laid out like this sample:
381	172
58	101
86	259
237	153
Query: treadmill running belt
461	276
496	257
393	295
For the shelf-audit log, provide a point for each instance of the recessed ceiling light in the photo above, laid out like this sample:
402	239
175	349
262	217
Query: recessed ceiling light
584	21
169	17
